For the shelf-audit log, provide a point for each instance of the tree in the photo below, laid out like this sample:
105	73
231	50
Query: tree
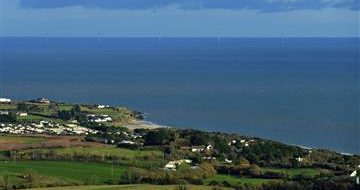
158	137
199	138
76	111
31	179
64	115
5	183
28	107
8	118
22	107
254	170
221	144
53	107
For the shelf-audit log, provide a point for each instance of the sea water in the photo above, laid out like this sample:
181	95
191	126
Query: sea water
302	91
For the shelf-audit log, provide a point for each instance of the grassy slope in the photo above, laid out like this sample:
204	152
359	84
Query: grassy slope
120	115
79	171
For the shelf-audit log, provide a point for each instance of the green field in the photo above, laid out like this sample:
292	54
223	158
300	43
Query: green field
20	139
133	187
126	157
106	151
78	171
30	117
295	171
237	180
7	106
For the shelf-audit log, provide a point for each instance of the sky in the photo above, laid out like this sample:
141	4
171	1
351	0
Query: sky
181	18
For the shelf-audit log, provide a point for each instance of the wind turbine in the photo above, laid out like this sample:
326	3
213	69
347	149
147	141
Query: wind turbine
98	37
218	40
159	39
47	38
282	39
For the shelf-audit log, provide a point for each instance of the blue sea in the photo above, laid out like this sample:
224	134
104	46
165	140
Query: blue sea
302	91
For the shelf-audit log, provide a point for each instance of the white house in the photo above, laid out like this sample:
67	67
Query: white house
4	113
170	166
5	100
228	161
22	114
353	174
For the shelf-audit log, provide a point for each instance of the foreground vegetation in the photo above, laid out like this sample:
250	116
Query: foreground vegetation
138	187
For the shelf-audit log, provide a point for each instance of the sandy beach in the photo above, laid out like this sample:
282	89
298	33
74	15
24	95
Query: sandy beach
141	124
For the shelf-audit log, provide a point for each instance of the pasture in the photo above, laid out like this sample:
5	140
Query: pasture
78	171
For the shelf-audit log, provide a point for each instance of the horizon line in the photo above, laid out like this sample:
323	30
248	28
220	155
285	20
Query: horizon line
29	36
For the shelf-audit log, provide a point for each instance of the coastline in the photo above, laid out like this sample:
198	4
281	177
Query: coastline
143	124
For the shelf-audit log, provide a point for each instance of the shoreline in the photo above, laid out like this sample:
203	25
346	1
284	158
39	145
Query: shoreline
143	124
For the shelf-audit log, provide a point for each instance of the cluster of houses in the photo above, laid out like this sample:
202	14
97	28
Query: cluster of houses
45	127
198	148
99	118
173	165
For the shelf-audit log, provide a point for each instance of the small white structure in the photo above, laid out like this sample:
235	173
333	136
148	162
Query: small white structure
187	161
71	125
170	166
5	100
232	142
126	142
353	174
4	112
299	159
197	148
228	161
73	121
209	158
22	114
209	147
